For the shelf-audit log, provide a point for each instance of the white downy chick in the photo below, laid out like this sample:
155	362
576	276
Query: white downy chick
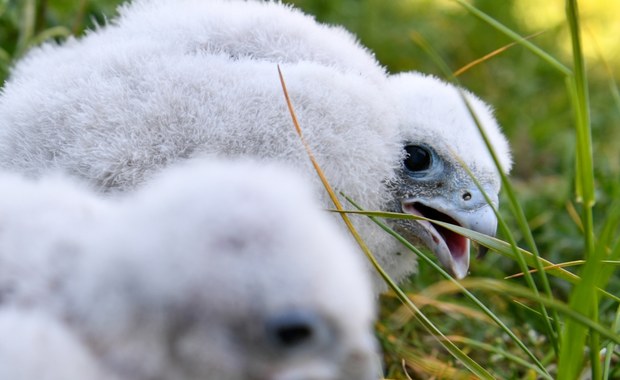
213	270
155	87
225	271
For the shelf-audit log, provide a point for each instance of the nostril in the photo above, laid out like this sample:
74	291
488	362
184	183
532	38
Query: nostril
466	196
293	330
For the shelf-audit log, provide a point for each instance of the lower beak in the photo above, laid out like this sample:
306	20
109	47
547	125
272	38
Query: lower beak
451	249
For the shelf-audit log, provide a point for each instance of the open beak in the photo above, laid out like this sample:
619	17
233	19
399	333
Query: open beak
451	249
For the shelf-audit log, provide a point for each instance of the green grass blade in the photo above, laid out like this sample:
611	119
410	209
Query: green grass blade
5	60
503	353
581	105
615	94
502	287
609	350
470	364
429	367
26	26
463	290
489	56
584	298
552	330
606	241
551	323
516	290
516	37
494	244
53	32
452	348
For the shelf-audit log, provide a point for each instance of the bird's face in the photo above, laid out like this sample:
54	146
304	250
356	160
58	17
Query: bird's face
242	313
218	279
293	343
440	139
437	187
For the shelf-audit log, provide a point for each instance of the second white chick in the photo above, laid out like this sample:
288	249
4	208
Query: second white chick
215	270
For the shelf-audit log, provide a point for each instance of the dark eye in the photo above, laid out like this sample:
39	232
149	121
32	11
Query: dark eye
296	330
418	158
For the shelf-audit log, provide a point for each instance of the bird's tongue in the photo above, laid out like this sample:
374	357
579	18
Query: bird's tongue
451	249
459	250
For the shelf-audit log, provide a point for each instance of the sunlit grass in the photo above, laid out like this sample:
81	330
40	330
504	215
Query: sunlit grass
583	313
599	20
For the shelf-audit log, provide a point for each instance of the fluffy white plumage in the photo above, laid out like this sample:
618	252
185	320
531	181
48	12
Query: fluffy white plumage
431	110
41	227
39	230
174	80
211	272
163	108
36	346
260	30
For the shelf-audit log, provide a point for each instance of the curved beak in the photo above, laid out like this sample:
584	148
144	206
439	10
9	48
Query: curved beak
451	249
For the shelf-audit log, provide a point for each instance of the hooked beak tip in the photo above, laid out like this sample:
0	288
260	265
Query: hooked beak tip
460	271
